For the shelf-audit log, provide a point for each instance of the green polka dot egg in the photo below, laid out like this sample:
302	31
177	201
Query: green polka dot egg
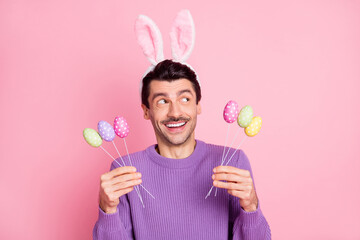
92	137
245	116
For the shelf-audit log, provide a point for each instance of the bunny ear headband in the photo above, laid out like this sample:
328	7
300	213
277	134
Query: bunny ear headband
182	36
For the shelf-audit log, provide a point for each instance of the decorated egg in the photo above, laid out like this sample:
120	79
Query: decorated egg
245	116
254	127
121	127
92	137
106	131
231	111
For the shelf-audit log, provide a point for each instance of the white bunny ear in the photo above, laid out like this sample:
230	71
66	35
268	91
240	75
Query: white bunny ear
182	36
149	38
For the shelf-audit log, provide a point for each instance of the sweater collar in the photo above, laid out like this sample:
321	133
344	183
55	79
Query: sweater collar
191	160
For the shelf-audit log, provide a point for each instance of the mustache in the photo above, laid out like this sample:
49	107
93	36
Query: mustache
175	120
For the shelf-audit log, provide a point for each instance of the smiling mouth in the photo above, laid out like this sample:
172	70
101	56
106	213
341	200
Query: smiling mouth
175	125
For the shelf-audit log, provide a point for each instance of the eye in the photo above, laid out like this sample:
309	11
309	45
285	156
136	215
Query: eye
185	99
161	101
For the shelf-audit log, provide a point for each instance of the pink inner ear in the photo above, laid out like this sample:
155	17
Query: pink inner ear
149	38
182	35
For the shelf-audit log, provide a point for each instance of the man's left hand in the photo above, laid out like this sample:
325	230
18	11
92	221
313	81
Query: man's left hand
238	183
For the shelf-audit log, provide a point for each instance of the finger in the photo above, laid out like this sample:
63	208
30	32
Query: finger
123	170
231	186
109	184
240	194
116	172
124	191
115	195
127	184
231	169
230	177
125	177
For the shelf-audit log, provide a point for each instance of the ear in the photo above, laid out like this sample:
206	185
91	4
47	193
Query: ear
198	108
149	38
146	112
182	36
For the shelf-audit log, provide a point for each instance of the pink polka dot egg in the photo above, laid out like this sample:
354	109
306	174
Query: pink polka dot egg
231	111
121	127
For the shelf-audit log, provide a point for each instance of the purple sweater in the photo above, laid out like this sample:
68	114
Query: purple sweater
180	210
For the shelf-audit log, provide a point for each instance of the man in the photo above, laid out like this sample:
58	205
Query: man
179	171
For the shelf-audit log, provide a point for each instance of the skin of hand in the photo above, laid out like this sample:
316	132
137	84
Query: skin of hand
238	183
116	183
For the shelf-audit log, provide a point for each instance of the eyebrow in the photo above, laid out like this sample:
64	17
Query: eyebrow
166	95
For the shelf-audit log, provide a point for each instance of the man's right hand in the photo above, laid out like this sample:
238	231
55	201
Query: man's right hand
116	183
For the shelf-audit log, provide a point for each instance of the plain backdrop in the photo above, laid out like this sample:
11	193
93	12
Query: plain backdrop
65	65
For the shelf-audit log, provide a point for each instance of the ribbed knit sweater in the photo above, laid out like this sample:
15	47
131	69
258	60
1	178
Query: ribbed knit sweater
180	210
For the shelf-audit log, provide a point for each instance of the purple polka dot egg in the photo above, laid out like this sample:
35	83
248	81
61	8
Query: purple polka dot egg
106	131
121	127
231	111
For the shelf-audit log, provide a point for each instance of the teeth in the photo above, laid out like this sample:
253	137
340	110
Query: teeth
175	125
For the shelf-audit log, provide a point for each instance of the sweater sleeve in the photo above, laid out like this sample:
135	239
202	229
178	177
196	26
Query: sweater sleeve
247	225
114	226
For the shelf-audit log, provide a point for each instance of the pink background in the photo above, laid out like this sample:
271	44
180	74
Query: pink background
65	65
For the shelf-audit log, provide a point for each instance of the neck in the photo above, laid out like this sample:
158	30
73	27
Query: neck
181	151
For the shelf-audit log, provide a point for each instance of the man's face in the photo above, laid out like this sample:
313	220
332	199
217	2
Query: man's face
172	110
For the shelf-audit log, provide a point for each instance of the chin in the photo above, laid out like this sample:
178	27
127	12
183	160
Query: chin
177	140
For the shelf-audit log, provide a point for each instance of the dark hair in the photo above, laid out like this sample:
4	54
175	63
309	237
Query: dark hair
169	70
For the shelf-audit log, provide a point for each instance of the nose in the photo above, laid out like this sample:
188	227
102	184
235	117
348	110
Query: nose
174	110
